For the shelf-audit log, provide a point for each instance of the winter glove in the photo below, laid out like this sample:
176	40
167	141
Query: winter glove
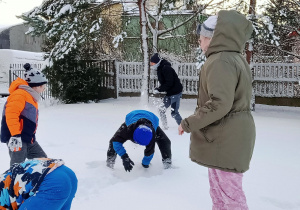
155	91
145	166
15	143
127	162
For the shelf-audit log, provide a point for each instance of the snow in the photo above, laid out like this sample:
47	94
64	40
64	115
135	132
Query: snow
79	134
64	9
119	38
18	57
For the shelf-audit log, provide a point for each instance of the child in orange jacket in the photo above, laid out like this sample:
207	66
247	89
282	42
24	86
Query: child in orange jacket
20	116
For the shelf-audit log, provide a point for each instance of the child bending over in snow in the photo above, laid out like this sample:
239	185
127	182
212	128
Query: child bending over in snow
141	127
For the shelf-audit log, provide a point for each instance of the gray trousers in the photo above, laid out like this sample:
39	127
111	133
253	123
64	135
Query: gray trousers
28	151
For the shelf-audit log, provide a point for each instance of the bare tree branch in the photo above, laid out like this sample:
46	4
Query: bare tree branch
296	2
280	49
147	11
160	32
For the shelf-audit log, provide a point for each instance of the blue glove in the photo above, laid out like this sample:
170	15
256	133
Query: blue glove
127	162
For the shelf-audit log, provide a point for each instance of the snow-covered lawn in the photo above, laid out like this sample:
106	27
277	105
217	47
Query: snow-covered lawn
79	134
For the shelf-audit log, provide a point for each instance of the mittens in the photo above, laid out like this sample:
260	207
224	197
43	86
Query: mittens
15	143
127	162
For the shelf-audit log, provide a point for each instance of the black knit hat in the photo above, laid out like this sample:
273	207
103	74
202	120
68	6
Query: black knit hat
34	77
155	58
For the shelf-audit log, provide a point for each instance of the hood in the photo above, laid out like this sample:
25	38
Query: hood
164	63
232	31
15	84
22	84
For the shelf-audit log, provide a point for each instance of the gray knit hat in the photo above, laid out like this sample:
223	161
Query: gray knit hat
34	77
207	27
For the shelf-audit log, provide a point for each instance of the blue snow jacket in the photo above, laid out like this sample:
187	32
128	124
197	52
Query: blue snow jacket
134	116
125	132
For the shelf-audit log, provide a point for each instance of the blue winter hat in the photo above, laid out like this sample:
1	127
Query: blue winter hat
155	58
142	135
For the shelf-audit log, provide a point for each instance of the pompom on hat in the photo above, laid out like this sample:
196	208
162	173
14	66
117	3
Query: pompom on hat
207	27
34	77
142	135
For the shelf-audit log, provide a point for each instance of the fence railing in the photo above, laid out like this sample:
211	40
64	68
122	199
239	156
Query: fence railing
16	70
109	79
269	79
107	75
129	77
276	79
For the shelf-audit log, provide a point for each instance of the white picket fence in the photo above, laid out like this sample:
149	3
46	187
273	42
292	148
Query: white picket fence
17	70
129	77
276	79
269	79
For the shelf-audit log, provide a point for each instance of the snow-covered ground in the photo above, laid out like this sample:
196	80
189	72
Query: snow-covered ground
79	134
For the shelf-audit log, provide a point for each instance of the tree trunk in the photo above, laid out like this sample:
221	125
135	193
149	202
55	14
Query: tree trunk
249	48
156	29
155	41
144	46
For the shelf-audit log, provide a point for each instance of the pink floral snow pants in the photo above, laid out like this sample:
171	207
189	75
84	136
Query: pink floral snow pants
226	190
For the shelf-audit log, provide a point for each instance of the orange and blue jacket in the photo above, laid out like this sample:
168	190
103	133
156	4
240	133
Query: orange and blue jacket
20	113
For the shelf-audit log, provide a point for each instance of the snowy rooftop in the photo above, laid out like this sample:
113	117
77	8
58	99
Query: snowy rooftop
5	27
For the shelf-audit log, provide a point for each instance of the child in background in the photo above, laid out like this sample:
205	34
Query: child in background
169	83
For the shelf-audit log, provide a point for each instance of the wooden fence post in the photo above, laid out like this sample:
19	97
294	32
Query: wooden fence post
9	76
115	78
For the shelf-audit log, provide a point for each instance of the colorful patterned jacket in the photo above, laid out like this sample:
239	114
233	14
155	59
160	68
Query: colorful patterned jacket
20	114
22	181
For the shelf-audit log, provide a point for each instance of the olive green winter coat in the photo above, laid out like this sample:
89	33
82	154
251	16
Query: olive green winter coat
222	127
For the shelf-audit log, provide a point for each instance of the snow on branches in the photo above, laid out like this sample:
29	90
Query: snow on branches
67	24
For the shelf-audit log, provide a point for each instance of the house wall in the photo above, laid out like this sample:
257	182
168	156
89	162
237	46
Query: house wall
21	41
4	39
14	38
